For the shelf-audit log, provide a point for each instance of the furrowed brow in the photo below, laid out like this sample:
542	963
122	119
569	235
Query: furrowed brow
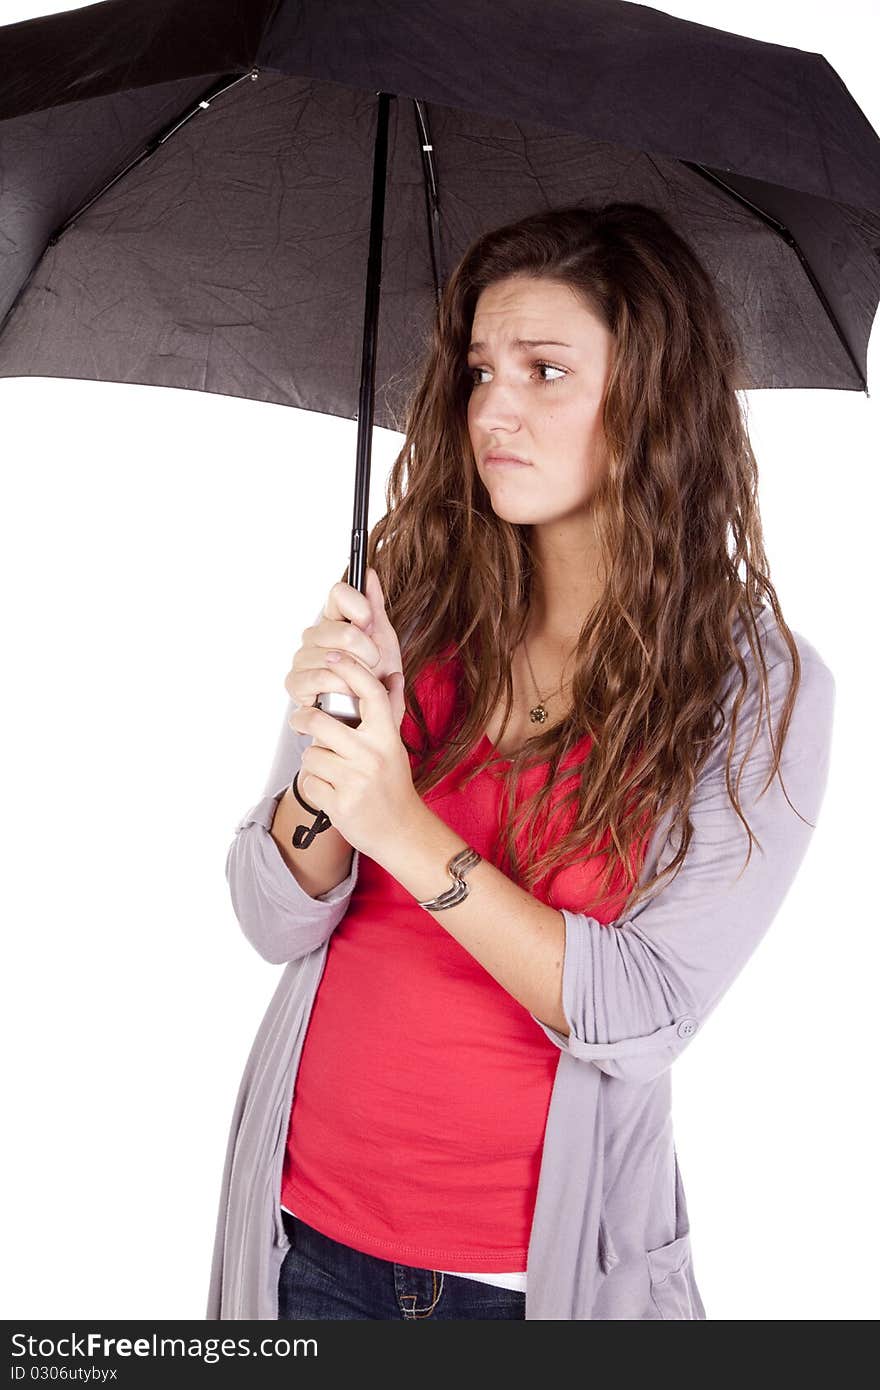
523	344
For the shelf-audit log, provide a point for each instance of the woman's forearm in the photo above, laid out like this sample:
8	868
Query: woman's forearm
324	863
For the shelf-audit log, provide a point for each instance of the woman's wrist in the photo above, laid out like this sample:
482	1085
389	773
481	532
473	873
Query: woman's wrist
321	865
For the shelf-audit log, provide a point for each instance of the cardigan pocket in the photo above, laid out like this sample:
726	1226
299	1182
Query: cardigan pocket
670	1278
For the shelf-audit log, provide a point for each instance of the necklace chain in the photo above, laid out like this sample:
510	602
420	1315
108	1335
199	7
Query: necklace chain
538	712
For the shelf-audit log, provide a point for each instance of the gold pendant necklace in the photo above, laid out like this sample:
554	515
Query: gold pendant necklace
538	712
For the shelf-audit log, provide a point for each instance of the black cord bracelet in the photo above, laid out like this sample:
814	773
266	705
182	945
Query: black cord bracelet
304	834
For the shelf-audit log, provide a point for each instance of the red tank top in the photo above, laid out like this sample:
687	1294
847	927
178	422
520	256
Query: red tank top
423	1087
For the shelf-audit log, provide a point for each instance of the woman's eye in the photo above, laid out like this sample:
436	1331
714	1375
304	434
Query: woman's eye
547	366
550	368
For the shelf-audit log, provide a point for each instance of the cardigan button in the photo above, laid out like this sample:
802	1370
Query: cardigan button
686	1027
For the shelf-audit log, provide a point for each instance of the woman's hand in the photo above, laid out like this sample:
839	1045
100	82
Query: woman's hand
357	625
361	778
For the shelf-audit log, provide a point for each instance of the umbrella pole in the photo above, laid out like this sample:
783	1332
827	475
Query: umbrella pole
357	567
346	707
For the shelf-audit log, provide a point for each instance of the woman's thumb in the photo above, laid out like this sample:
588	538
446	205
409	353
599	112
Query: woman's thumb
373	593
397	697
374	590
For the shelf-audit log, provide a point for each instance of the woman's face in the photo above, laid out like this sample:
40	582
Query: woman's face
542	403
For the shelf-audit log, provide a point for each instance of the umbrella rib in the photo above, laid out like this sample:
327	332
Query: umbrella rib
432	196
201	104
787	236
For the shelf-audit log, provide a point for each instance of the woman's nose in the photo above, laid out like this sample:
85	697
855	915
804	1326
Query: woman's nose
497	405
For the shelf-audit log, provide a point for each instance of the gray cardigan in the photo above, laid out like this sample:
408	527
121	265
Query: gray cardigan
610	1235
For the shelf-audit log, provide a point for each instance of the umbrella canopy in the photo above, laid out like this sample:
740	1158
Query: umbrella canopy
186	186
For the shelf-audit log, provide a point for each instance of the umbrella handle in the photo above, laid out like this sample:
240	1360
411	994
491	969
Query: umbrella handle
345	708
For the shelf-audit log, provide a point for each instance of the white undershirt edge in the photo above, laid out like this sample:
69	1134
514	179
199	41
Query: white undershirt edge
515	1280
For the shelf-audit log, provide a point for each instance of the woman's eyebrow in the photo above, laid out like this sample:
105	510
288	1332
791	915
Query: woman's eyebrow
522	343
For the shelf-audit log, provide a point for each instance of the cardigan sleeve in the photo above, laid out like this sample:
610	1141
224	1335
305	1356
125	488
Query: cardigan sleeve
636	991
278	917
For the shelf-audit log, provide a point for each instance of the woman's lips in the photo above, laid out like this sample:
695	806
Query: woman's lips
506	463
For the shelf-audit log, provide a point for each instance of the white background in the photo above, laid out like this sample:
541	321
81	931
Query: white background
159	562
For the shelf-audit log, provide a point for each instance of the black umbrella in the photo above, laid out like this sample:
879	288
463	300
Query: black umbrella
193	193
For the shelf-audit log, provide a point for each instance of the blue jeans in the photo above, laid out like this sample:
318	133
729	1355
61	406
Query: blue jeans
322	1278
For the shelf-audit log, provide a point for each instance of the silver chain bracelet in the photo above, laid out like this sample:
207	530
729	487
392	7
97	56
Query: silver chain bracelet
458	866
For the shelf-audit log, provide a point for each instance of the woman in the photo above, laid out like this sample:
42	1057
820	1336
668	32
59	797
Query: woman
532	891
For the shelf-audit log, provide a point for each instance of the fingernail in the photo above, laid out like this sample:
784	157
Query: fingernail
333	656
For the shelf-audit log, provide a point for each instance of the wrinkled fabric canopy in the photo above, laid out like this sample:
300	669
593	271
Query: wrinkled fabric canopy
233	259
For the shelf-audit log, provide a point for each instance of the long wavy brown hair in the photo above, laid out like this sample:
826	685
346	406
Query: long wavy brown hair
682	478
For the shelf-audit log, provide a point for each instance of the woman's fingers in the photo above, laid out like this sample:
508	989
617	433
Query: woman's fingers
340	636
306	684
348	617
345	601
